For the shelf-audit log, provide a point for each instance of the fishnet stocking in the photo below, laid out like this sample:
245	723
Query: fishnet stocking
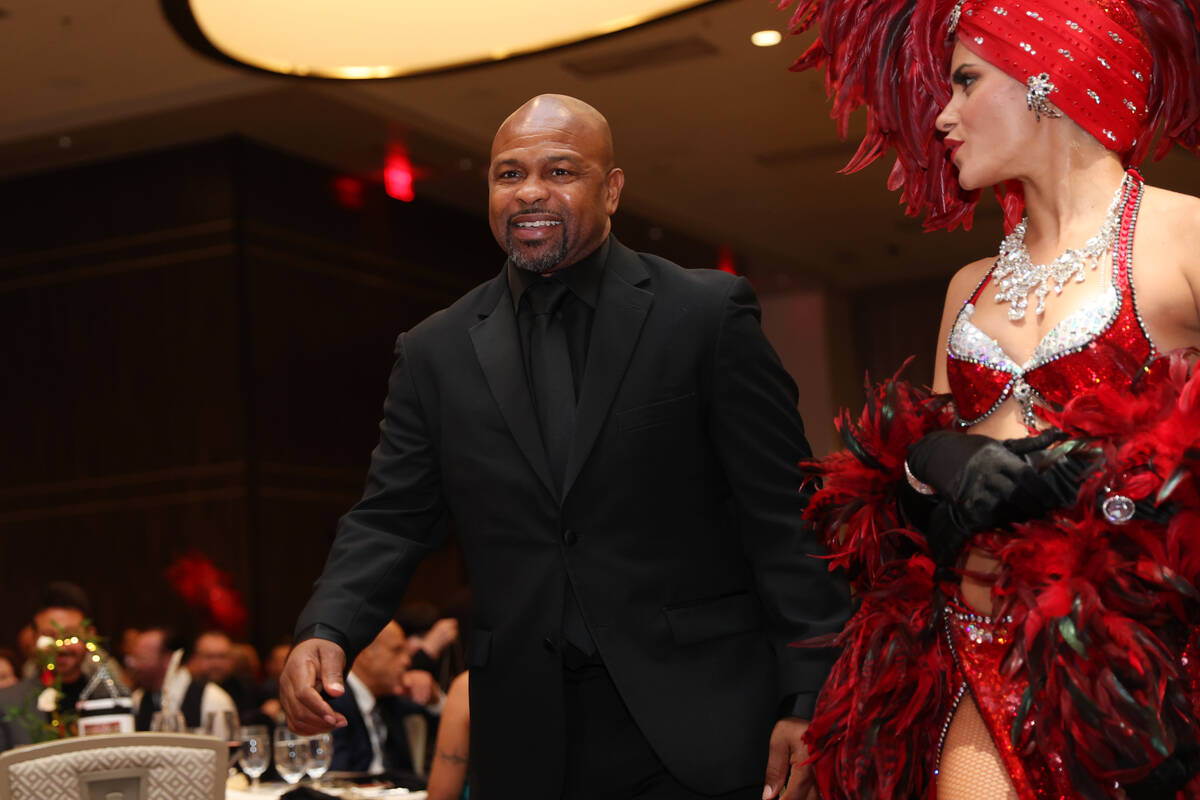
971	767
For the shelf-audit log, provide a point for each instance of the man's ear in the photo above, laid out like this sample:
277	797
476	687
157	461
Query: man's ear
614	182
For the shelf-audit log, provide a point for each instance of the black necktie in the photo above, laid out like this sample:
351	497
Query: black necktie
550	373
553	388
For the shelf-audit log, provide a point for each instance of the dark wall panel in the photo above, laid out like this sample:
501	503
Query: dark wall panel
197	349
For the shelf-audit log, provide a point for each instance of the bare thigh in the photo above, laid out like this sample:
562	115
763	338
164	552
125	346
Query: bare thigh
971	767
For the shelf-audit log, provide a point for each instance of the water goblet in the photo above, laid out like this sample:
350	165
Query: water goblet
168	722
291	754
224	726
320	753
254	757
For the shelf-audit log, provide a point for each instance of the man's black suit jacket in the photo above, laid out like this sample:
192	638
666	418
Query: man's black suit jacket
679	527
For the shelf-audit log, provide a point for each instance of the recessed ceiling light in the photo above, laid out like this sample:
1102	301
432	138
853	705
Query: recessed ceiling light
766	38
358	39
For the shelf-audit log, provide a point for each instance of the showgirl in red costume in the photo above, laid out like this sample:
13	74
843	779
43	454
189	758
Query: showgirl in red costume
1025	541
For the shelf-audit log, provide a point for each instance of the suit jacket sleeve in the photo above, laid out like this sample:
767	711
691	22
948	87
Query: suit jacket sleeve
399	520
760	437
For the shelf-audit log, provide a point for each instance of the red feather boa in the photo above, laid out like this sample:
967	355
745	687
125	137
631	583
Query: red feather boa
1104	615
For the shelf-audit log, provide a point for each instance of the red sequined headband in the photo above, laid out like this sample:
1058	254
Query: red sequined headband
1093	56
893	57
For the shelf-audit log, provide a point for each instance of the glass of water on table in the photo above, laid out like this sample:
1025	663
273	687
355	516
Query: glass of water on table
254	757
291	754
320	753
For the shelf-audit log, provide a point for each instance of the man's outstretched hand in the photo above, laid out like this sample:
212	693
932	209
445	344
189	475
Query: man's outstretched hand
786	763
312	665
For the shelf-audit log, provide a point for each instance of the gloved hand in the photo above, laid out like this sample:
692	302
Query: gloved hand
1168	778
989	481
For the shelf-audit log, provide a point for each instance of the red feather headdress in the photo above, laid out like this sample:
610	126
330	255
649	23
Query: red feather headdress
893	57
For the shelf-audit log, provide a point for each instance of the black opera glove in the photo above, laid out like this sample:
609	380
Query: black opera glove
1169	777
991	482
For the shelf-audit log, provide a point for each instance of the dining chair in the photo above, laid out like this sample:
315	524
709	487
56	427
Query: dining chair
123	766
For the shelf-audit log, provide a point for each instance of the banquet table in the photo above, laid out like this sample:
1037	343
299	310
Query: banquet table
268	791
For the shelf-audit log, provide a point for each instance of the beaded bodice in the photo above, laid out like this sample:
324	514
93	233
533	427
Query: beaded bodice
1096	344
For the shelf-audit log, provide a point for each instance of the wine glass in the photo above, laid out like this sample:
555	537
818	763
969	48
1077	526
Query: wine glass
320	753
168	722
291	754
223	725
253	756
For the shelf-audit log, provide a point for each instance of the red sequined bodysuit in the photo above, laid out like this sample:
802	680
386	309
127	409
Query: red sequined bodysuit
1104	341
1097	344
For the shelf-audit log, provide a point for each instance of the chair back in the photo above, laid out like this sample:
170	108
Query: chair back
417	731
123	766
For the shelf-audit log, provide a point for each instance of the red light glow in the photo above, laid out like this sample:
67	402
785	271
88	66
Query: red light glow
398	176
725	261
349	192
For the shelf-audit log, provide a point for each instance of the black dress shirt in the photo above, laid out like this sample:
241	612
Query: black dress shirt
583	278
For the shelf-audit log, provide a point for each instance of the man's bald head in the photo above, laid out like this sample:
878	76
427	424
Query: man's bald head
562	112
552	184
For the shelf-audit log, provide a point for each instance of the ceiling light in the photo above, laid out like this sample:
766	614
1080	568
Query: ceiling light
357	39
766	38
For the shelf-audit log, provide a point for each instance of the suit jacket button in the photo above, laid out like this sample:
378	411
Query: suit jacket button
570	537
551	644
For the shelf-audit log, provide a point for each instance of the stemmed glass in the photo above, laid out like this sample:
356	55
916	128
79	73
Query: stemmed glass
320	753
224	725
253	755
291	754
168	722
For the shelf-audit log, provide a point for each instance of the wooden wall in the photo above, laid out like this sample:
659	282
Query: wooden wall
196	346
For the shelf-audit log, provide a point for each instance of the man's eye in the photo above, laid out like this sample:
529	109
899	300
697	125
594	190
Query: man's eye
507	175
560	171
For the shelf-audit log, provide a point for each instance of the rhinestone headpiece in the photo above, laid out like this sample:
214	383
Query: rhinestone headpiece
955	15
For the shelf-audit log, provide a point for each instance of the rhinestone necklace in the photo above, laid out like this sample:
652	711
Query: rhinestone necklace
1016	275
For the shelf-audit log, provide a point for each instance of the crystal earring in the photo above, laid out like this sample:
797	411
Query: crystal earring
1038	96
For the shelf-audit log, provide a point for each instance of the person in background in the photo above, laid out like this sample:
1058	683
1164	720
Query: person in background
448	776
373	739
268	690
156	663
62	613
214	659
10	668
27	647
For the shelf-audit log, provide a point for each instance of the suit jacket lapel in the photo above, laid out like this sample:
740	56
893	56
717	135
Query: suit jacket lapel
620	312
498	348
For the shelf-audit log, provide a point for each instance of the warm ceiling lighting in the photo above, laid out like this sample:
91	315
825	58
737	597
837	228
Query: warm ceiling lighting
389	38
766	38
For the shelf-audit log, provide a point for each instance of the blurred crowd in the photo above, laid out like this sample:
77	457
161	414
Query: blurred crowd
396	688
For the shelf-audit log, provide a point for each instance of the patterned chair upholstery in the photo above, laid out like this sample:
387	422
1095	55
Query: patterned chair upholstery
127	766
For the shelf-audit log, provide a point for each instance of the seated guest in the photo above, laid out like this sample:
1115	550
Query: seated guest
373	739
430	640
155	661
268	690
213	660
61	613
10	668
26	646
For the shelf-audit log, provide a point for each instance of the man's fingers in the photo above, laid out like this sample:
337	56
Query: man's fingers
777	767
312	664
332	660
799	784
316	707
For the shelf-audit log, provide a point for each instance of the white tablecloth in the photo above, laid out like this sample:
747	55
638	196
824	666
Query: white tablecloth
267	791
